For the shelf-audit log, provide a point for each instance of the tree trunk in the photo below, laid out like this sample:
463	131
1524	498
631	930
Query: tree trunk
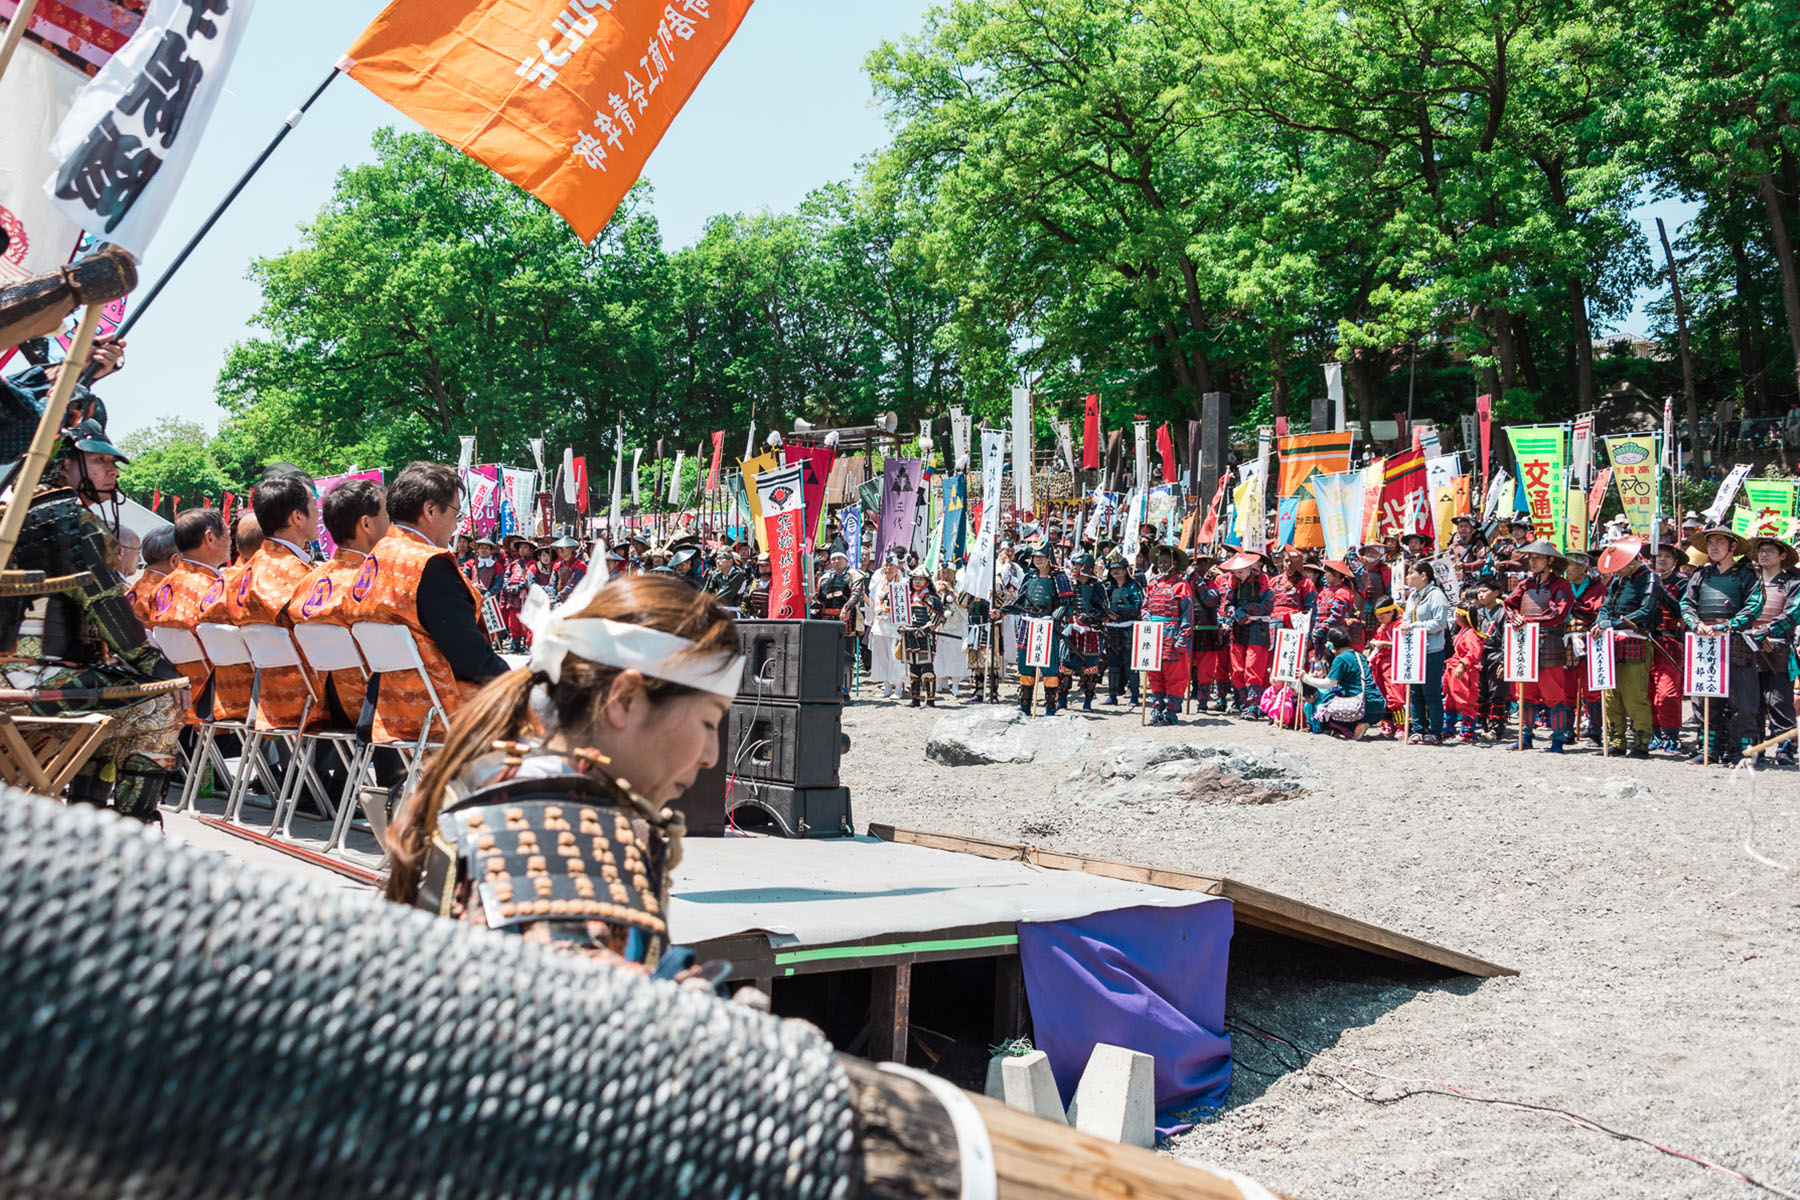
1500	329
1687	359
1583	336
1784	255
1527	360
1362	384
1278	379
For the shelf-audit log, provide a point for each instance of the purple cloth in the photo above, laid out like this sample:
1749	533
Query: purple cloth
899	505
1148	979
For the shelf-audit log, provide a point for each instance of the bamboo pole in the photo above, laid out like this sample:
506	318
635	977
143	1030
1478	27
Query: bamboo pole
15	31
48	427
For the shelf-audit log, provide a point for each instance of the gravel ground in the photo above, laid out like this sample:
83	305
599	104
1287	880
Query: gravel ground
1658	988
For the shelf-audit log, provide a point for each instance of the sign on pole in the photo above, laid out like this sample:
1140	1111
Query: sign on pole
1602	661
1521	664
1289	652
1705	675
1147	646
898	602
1040	638
1409	656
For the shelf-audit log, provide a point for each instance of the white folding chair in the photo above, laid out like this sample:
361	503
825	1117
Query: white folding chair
389	649
331	648
272	647
183	649
225	646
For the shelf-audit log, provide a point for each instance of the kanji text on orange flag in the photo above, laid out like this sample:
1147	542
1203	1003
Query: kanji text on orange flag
566	98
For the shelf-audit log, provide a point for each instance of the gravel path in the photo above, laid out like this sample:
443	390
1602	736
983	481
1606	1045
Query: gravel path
1659	994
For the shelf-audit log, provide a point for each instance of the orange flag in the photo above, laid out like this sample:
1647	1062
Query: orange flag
566	98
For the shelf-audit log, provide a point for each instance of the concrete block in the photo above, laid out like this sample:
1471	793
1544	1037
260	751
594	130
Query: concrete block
996	1088
1116	1098
1030	1087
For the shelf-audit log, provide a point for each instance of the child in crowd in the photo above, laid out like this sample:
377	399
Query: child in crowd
1462	680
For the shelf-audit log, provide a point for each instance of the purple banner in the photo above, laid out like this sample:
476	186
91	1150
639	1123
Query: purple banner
899	505
324	487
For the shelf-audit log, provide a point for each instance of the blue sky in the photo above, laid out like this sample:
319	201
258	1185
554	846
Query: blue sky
785	109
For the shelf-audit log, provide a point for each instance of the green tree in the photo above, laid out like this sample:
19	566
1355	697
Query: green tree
173	457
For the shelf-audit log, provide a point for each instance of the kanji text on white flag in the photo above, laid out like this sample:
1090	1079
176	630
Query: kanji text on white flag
127	142
1147	646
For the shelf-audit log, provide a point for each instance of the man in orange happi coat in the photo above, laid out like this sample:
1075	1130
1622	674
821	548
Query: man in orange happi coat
159	560
258	590
355	515
411	578
201	550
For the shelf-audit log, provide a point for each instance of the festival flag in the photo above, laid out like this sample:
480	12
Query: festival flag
566	98
1577	520
1165	449
1338	499
1281	427
718	450
850	521
815	470
978	576
155	499
1209	528
1334	390
1597	497
126	142
36	94
1140	435
899	504
675	478
1373	475
1771	503
1090	435
1405	497
752	470
959	439
1065	444
1304	458
1539	449
581	484
1022	441
637	458
1484	410
950	552
1581	450
784	507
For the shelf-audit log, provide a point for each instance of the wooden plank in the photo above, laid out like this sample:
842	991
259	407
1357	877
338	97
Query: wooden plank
890	1012
305	854
1255	907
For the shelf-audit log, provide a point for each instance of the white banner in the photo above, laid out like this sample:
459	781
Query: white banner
1065	444
1147	646
1521	654
1668	446
1727	492
1471	432
518	491
1581	451
1140	479
537	455
126	143
618	491
1290	645
35	94
1334	388
979	573
1602	661
1259	493
959	439
1409	656
1706	673
637	498
568	474
465	455
1499	489
1021	450
1039	636
675	478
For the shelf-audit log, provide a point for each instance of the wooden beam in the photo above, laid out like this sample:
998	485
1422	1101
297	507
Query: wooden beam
1252	906
908	1149
890	1012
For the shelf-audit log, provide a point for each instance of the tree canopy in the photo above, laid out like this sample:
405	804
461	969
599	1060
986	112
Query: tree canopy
1149	199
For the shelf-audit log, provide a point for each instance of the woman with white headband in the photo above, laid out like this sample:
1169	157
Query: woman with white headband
545	811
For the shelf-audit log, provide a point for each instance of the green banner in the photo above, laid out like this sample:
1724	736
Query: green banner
1542	458
1763	498
1634	465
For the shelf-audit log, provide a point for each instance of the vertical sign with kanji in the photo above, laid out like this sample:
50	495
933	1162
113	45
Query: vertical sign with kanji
1540	451
1409	657
1705	674
1289	644
783	509
1521	654
1147	646
1040	638
1602	661
850	520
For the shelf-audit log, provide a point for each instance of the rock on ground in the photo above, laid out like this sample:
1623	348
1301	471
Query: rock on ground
978	736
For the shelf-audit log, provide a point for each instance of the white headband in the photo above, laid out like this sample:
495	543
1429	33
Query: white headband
557	633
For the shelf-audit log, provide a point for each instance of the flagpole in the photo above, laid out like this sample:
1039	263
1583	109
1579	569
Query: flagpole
287	127
15	30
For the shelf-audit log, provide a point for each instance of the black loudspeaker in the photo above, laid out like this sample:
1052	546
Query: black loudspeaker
1323	413
1215	441
791	811
799	662
703	804
795	744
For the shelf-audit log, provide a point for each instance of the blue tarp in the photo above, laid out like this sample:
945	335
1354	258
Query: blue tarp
1148	979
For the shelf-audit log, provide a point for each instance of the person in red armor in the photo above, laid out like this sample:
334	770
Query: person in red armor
1462	681
1249	608
1589	590
1668	644
1336	605
1169	603
1209	649
1543	598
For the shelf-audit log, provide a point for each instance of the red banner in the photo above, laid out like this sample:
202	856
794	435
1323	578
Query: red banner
1405	496
1165	448
1484	409
155	499
1090	435
227	514
784	507
815	469
712	476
